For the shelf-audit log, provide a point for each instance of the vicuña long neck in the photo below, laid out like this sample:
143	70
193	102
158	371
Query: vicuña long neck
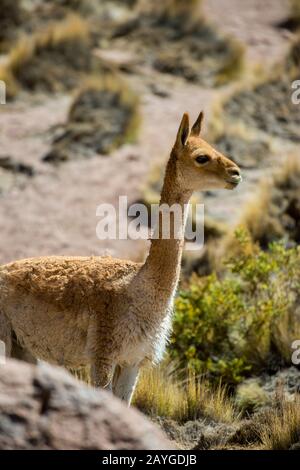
162	266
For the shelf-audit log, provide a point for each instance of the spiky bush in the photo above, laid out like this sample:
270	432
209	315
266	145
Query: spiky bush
228	326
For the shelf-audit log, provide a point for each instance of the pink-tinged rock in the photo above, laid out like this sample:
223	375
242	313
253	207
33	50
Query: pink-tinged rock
44	407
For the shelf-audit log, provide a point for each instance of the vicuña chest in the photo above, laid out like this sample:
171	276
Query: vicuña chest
147	328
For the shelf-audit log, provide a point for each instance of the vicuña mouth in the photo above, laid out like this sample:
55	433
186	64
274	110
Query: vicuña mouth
235	180
233	183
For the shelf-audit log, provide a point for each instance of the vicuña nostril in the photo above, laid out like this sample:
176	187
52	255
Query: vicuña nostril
234	172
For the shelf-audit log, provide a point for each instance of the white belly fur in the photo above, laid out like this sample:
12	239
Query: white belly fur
149	348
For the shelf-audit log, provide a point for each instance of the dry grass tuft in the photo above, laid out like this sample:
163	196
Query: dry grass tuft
258	105
286	330
246	148
10	18
36	56
282	424
250	396
220	123
83	374
171	9
103	116
159	393
126	99
295	12
293	58
273	213
234	66
188	46
74	4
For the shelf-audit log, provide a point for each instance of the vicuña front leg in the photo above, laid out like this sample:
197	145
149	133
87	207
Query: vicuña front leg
102	374
124	382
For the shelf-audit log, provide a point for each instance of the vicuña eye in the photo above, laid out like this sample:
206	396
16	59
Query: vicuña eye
202	159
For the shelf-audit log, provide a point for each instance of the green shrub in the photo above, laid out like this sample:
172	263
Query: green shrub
228	326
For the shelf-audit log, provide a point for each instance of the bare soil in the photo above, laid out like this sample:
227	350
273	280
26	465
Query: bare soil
54	212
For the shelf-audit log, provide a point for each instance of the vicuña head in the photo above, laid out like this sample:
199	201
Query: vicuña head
199	165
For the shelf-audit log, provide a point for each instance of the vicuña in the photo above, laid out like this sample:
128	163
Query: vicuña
113	315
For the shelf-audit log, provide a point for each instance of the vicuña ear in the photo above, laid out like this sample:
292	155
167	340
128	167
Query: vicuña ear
196	129
183	131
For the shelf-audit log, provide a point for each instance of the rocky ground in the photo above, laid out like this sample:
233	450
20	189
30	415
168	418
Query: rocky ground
54	211
256	398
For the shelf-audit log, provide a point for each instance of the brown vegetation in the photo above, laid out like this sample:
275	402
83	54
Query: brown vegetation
274	213
182	44
161	393
264	104
197	415
13	173
46	60
282	425
103	116
11	17
293	20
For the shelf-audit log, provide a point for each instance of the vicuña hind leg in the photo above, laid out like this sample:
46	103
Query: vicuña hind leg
124	382
20	353
5	336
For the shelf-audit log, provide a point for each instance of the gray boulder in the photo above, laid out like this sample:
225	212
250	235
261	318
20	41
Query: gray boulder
44	407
